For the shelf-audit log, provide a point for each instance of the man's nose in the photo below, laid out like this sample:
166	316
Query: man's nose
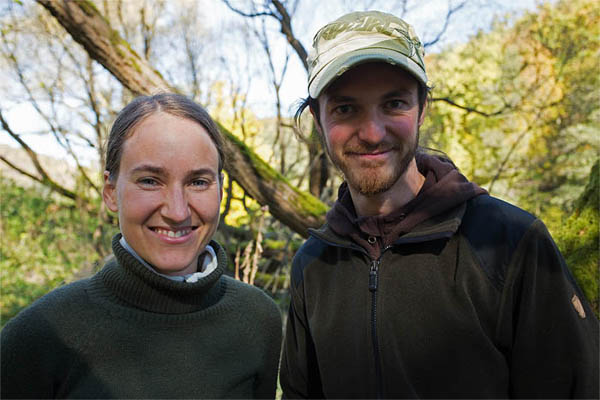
372	129
176	207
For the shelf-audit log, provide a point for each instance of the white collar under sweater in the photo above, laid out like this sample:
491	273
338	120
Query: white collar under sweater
209	264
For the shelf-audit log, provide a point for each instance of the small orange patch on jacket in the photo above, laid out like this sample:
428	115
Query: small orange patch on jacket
578	306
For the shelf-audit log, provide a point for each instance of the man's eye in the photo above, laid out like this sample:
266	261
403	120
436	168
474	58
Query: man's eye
396	103
343	109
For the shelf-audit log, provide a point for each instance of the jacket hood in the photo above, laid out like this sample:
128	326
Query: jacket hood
444	188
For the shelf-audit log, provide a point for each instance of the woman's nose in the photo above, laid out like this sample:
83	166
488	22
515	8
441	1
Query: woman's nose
176	207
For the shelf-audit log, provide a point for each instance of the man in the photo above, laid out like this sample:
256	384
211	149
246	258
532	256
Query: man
420	284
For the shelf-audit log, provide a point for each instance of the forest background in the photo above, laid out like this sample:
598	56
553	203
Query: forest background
516	105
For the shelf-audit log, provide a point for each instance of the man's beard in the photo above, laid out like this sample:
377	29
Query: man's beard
369	180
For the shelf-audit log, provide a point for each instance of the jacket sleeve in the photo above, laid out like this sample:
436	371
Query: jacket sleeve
548	327
299	372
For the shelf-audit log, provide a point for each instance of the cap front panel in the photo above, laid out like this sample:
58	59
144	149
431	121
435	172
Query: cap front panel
357	37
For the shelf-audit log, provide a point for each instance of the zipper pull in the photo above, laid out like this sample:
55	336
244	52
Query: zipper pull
373	278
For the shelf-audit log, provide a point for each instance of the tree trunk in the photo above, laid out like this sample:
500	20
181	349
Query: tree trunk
296	209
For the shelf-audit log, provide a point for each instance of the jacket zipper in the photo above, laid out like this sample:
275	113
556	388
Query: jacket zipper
373	284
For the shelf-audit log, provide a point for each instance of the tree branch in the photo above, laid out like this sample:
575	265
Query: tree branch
246	14
468	109
451	10
45	179
285	21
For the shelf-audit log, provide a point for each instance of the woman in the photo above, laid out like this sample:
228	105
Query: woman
160	320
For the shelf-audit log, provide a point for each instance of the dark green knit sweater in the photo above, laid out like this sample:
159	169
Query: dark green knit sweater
127	332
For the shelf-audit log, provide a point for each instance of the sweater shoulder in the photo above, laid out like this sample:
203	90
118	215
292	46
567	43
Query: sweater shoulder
56	302
253	299
58	311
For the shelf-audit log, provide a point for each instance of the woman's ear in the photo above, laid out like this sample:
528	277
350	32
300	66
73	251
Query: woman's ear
109	193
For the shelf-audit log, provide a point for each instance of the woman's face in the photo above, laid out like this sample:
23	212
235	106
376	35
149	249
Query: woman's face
168	192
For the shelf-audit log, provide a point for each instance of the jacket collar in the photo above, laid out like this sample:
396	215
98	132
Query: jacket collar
440	226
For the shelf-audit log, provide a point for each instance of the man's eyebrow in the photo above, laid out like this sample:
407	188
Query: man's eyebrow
341	99
397	93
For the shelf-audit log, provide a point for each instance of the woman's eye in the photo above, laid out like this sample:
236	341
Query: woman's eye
148	181
200	183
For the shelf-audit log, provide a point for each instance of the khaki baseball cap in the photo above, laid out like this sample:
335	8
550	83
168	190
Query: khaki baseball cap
361	37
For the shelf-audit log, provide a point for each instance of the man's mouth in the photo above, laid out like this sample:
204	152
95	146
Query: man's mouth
368	152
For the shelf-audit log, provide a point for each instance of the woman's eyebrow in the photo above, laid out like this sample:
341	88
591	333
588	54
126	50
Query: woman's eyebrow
202	172
149	168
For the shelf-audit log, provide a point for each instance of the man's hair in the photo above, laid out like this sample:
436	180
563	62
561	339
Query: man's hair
144	106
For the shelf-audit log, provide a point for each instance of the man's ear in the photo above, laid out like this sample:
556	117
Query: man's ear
423	112
316	119
109	193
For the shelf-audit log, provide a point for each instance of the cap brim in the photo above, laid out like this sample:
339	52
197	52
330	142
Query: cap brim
339	65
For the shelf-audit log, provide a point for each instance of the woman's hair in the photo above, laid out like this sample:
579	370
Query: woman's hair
144	106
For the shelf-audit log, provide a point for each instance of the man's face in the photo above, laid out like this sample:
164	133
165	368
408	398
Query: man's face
370	121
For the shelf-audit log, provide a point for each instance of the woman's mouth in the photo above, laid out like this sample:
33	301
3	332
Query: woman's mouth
174	233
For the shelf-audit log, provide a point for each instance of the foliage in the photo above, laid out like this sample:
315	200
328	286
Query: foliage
531	86
578	238
528	127
45	242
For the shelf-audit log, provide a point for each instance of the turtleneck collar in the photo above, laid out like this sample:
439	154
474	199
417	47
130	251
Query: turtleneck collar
208	265
136	285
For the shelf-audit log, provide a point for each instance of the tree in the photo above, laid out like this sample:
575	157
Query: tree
297	209
532	138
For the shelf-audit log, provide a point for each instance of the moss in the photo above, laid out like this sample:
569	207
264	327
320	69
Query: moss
309	205
89	8
579	241
274	244
263	279
136	65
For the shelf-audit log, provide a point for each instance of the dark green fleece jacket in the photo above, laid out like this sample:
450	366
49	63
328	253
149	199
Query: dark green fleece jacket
474	301
127	332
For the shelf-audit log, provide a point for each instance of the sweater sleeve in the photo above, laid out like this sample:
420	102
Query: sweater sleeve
299	375
270	330
547	325
31	357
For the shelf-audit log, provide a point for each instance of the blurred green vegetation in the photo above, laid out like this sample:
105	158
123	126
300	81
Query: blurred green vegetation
45	242
577	237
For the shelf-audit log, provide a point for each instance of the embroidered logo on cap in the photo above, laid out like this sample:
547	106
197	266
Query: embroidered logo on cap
578	306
